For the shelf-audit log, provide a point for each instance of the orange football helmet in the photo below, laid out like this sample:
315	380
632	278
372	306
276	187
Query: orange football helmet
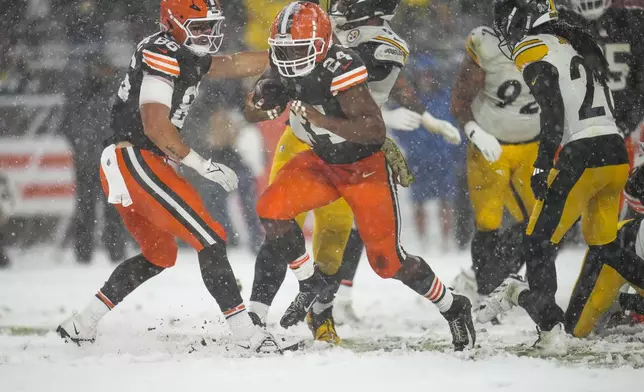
300	38
196	24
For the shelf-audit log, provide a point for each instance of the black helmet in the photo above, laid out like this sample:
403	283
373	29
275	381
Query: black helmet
349	11
513	19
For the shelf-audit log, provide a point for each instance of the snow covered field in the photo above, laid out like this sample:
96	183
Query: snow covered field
153	340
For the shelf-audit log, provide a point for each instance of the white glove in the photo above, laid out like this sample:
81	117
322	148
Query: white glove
486	143
401	119
216	172
450	133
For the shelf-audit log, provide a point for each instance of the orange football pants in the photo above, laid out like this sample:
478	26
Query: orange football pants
306	182
164	206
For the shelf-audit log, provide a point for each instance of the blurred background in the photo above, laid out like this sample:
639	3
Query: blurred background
60	64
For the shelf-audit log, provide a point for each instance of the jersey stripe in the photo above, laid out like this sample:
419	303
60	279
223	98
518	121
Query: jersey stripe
345	76
530	55
161	63
350	82
339	80
161	58
394	43
525	44
161	68
469	48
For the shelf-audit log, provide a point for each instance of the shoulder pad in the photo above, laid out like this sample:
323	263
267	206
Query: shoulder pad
160	60
393	41
475	45
389	54
529	50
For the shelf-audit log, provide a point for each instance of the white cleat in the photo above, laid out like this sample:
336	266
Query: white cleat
551	343
465	283
261	342
78	329
502	299
81	327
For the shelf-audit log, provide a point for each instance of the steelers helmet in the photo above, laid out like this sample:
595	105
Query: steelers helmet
513	19
345	12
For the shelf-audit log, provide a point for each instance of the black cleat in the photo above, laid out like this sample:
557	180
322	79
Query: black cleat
459	318
311	290
297	310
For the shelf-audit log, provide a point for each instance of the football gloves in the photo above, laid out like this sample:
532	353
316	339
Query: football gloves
486	143
401	119
215	172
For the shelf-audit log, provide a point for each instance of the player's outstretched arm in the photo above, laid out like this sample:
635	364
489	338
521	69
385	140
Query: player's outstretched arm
238	65
363	124
469	81
407	97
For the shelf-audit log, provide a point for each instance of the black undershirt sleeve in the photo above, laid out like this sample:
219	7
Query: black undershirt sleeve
543	80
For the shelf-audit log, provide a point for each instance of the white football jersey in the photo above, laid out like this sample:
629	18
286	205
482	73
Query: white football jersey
504	107
588	106
377	45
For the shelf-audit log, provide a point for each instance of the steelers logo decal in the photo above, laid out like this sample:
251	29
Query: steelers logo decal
353	36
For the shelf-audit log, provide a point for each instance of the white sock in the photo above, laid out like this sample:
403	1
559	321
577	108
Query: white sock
95	310
344	292
241	325
439	295
259	309
303	267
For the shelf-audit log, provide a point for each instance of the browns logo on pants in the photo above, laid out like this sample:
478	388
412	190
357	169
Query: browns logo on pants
306	182
165	206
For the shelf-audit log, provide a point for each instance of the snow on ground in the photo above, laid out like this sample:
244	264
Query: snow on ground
151	342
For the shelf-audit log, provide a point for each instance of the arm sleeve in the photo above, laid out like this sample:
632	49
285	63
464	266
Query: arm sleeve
155	89
543	79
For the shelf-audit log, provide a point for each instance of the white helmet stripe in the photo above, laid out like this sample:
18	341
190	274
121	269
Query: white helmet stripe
286	17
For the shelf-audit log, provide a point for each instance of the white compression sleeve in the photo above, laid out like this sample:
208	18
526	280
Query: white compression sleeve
156	89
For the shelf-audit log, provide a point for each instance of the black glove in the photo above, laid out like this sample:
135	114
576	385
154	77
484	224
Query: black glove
539	182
